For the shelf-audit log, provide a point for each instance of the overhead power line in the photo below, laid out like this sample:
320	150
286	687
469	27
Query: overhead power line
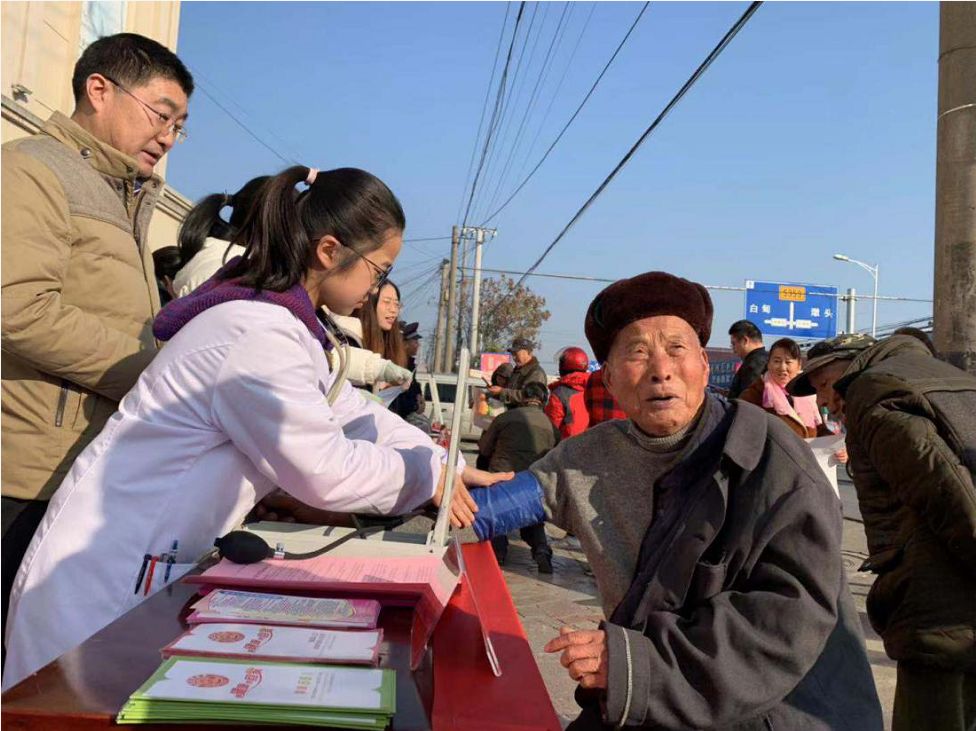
573	117
530	107
721	287
499	96
484	108
715	53
559	86
512	96
252	133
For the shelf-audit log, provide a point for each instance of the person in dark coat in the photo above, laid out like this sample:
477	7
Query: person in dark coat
714	538
746	341
516	439
527	370
911	438
411	401
499	377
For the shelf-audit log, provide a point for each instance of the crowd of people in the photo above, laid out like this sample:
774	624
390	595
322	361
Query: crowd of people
712	532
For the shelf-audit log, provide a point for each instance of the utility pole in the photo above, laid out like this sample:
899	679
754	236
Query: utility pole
440	334
954	322
851	308
479	239
462	294
451	334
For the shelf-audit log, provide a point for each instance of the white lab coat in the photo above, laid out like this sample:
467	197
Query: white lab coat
233	406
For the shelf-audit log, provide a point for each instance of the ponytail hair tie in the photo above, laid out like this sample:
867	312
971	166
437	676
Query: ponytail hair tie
310	178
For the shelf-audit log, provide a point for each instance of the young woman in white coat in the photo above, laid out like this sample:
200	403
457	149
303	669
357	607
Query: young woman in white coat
205	246
235	404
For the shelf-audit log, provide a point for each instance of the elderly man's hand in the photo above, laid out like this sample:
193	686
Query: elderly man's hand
584	655
841	455
495	390
474	477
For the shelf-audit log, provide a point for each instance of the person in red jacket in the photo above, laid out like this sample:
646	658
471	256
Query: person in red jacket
600	403
566	408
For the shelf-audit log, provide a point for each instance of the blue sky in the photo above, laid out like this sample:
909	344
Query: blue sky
813	133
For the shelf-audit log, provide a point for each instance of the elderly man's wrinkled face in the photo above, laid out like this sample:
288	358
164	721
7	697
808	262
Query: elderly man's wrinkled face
657	370
823	379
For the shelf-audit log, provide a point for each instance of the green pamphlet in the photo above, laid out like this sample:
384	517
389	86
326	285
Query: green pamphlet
189	690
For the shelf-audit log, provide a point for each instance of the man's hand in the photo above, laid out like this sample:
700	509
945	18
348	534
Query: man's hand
495	390
473	477
841	455
584	655
463	506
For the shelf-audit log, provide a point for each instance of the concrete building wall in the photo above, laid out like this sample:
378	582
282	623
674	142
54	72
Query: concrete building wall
39	45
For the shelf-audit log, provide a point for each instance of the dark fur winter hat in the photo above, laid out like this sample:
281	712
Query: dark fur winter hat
646	295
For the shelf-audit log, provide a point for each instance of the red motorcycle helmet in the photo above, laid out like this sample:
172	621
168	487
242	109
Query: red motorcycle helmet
573	359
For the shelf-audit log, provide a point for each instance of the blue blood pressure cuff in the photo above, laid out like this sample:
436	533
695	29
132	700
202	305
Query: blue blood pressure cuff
506	506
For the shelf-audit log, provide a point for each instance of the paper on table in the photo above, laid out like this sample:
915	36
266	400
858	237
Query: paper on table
268	683
223	605
823	449
323	572
269	642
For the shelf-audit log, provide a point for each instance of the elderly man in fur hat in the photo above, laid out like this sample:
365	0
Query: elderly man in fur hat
713	535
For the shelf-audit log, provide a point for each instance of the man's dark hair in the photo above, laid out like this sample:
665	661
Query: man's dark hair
533	391
131	60
745	329
918	335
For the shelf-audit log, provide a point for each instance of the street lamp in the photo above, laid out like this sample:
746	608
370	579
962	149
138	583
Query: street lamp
874	273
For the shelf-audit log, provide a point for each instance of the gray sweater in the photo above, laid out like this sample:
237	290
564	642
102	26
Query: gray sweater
589	488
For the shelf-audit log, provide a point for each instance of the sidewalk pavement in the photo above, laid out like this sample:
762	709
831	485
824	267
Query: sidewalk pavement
569	597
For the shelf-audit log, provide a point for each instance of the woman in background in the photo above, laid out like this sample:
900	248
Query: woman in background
379	354
380	322
768	392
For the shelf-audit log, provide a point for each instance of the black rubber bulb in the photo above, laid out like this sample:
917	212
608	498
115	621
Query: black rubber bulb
241	546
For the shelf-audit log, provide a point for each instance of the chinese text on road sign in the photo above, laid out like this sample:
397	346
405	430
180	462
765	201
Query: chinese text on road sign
797	310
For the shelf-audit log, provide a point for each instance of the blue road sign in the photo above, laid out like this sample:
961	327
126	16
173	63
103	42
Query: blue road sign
796	310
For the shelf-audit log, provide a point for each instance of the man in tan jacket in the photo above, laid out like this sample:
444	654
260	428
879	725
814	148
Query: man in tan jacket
79	292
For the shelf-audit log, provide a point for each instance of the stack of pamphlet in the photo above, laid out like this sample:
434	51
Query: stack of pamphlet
271	658
198	690
228	605
277	644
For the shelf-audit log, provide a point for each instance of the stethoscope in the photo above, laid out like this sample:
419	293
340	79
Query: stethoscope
342	352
